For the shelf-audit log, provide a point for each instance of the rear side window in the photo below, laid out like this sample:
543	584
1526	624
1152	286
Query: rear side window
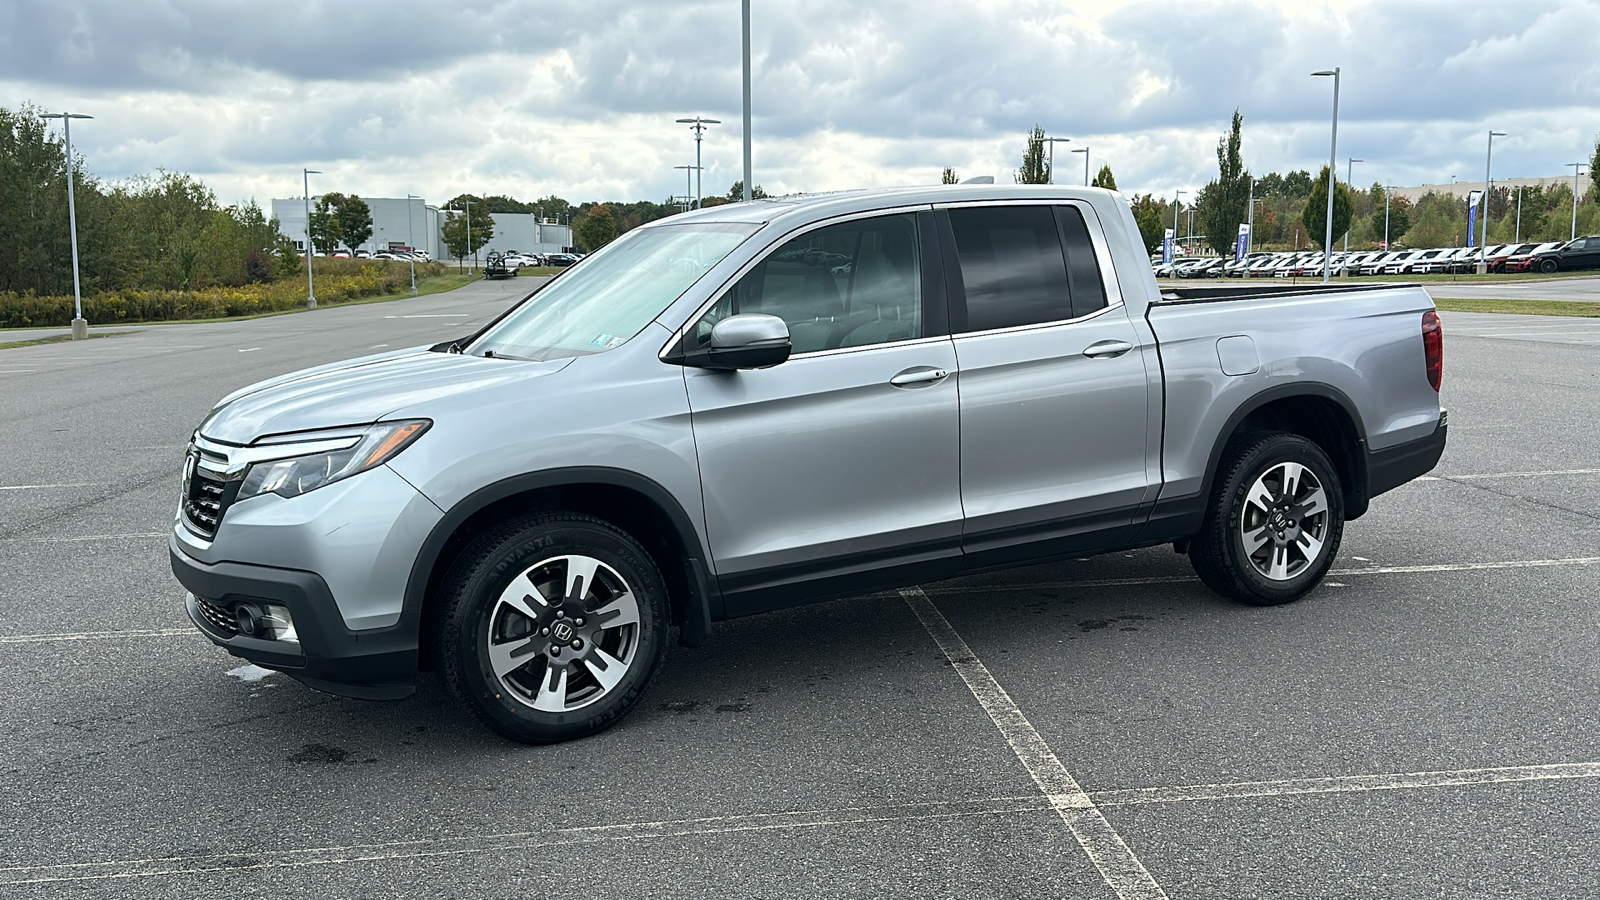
1083	272
1011	265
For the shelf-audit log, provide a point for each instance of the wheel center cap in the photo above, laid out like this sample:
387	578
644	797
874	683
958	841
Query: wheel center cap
562	632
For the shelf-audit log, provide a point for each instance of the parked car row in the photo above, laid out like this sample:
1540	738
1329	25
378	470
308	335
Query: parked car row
517	260
1549	256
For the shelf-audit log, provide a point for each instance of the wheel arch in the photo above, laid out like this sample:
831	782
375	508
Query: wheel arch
1320	413
636	504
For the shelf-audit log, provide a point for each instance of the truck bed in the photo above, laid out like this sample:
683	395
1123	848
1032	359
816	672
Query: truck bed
1218	293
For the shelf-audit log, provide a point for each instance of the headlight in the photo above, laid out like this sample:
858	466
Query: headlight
315	459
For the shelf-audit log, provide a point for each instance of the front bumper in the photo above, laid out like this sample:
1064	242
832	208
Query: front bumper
377	664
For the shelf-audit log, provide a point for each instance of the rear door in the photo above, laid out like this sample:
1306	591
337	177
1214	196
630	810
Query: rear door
1055	444
826	472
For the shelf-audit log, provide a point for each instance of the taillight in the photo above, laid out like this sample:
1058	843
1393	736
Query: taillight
1433	347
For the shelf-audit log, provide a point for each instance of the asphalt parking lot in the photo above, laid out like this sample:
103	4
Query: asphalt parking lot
1423	725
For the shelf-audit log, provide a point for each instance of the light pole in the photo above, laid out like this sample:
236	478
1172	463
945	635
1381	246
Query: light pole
1388	191
80	325
1052	161
744	9
1483	244
1518	238
688	184
472	257
311	249
1349	178
1085	151
1575	173
411	241
1177	205
699	125
1333	157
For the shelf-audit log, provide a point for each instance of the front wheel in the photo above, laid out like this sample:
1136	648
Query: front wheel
1548	266
552	627
1273	522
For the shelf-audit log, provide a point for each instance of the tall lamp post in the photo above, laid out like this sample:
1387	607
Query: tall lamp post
1333	161
1349	178
1085	151
1177	206
1052	160
1388	192
80	325
744	11
1483	243
1518	238
1575	173
688	184
411	241
699	126
311	249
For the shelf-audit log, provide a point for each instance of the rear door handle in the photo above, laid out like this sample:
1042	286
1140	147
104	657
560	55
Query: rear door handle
1107	349
919	375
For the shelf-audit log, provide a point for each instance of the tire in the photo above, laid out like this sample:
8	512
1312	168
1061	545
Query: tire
551	627
1248	500
1548	266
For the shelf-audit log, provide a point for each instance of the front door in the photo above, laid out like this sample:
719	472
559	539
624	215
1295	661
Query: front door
838	469
1054	391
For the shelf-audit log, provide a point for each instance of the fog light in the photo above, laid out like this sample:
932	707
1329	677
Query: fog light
278	625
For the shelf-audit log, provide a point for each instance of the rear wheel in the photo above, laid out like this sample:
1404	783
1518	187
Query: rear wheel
552	627
1273	523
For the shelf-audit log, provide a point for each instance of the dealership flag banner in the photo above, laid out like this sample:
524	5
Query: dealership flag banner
1472	215
1166	248
1243	243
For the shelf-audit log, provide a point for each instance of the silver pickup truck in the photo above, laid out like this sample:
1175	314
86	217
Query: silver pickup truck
771	403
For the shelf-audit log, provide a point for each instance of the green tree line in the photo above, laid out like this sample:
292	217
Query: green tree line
160	231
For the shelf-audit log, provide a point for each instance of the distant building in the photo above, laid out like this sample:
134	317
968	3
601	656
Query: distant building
398	223
1461	188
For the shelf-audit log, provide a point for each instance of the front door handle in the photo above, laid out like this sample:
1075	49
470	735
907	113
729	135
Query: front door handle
919	375
1107	349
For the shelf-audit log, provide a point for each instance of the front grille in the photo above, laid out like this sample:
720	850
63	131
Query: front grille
217	616
206	497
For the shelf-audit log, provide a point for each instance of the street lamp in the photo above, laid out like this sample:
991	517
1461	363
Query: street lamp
1518	238
1575	173
411	240
1333	156
699	125
80	325
1177	205
311	249
688	184
744	10
1349	178
1085	151
1488	158
1388	192
1052	163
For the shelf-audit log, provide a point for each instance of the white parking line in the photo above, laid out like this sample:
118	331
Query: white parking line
1110	855
86	537
38	487
513	842
93	635
249	349
1508	475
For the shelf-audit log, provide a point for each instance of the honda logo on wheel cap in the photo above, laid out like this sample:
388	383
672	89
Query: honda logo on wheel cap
561	632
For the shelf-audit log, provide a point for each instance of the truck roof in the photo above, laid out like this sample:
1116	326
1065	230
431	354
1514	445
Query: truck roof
812	206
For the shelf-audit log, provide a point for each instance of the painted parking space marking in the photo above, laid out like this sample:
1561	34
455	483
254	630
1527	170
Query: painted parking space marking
1187	579
94	635
1487	475
249	349
40	487
847	816
1111	856
128	535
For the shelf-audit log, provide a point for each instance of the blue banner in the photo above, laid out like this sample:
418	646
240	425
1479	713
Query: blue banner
1242	245
1472	217
1166	248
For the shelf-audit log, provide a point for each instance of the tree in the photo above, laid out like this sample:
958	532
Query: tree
1298	183
1399	215
1035	169
1224	203
736	193
1315	216
596	229
327	232
1147	214
1593	194
949	176
1104	179
460	240
355	221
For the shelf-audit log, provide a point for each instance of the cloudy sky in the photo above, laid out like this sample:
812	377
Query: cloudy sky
579	98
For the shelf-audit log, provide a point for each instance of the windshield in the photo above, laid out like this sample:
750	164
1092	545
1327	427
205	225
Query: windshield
613	294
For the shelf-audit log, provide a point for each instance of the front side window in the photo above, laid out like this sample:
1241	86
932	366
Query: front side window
849	285
614	294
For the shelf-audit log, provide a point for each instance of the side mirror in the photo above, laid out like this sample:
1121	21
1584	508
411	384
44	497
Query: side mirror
748	341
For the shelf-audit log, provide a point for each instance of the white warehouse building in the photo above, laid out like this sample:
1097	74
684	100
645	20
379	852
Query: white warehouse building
399	222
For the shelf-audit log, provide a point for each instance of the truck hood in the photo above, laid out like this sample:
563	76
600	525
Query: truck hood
359	391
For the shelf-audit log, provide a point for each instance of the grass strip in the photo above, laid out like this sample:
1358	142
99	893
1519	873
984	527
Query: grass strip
1520	307
58	339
